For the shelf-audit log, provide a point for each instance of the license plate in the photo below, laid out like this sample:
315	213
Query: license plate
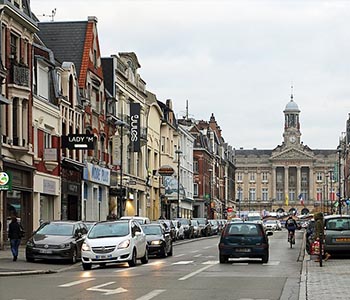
243	250
45	251
103	256
342	240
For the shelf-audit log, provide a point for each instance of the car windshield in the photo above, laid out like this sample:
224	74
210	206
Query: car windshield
151	230
254	218
338	224
201	221
242	229
101	230
57	229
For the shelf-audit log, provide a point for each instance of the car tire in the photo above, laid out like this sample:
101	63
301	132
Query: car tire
132	261
87	267
74	257
265	258
144	259
29	259
170	253
223	259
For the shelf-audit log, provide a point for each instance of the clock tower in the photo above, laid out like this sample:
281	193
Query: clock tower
291	132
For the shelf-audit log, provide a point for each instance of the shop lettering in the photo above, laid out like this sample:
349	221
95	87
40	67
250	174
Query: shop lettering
134	131
80	139
99	174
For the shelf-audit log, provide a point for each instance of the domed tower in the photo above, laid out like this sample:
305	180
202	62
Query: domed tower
292	132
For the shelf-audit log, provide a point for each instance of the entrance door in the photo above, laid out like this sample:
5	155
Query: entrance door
72	208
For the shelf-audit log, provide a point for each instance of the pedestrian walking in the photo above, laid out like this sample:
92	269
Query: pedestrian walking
319	232
15	234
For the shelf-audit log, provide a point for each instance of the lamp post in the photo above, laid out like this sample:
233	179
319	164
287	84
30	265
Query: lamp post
331	194
339	178
239	200
178	152
210	193
121	124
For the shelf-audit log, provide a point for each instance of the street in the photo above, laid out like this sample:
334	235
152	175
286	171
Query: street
193	272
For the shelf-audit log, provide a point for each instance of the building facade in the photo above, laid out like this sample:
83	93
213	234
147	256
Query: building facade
291	177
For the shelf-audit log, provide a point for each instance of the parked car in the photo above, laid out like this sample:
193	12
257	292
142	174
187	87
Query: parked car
57	240
204	226
141	220
337	234
180	231
170	227
114	242
196	228
214	225
158	240
188	228
244	239
89	224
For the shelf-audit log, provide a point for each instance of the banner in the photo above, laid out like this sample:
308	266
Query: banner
135	126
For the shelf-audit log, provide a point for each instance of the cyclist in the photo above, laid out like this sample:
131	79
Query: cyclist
291	225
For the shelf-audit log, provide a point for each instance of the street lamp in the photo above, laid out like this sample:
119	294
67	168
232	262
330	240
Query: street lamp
178	152
121	124
331	194
211	215
239	200
339	179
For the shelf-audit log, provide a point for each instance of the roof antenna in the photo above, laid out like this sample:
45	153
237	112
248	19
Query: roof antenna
291	95
52	16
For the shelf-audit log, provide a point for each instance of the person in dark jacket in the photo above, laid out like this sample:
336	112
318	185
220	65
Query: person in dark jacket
15	235
319	232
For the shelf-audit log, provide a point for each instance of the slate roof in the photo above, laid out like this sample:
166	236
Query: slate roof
65	39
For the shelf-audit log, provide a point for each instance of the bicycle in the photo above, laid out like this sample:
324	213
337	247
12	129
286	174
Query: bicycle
291	238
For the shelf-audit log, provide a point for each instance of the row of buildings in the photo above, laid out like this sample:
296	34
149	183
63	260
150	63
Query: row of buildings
82	138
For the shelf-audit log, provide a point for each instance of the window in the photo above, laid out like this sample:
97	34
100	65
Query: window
239	193
279	195
319	194
252	194
47	140
239	177
319	176
43	82
94	100
252	176
14	47
195	166
195	189
265	194
264	176
163	144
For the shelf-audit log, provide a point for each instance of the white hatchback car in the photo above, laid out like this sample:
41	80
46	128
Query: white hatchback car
114	242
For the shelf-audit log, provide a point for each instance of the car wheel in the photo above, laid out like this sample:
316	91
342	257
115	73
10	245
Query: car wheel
223	259
265	258
86	267
163	252
29	259
132	262
74	258
170	253
144	259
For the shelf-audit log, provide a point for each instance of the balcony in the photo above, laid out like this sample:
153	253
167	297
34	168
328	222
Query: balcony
19	75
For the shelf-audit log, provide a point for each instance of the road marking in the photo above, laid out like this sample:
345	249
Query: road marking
194	251
124	270
97	288
207	247
69	284
210	262
195	272
272	263
179	255
151	295
198	255
183	262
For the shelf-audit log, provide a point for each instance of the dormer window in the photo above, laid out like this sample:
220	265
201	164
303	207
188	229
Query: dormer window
17	3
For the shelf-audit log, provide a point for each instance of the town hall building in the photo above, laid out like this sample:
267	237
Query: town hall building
291	177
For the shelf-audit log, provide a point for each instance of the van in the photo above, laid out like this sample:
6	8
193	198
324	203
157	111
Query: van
254	217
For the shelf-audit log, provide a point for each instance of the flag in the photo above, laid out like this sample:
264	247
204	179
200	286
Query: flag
301	199
287	200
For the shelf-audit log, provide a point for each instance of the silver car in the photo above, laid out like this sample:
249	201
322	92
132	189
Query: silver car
114	242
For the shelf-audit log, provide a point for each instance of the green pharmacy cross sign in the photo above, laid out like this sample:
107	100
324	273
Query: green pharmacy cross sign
5	181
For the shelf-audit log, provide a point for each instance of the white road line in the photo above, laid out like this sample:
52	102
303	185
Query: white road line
207	247
183	262
69	284
124	270
194	251
179	255
151	295
195	272
198	255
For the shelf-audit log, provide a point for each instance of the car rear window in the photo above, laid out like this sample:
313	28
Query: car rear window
243	229
338	224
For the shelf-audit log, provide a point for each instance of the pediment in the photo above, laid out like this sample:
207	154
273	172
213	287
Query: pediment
292	154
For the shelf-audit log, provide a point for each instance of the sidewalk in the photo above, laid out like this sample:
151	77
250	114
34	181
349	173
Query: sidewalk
8	267
331	281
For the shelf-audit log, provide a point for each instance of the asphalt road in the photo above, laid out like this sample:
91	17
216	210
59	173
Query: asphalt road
193	272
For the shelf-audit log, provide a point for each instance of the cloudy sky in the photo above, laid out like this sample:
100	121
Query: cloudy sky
236	59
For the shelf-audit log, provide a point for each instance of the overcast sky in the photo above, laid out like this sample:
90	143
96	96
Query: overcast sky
236	59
